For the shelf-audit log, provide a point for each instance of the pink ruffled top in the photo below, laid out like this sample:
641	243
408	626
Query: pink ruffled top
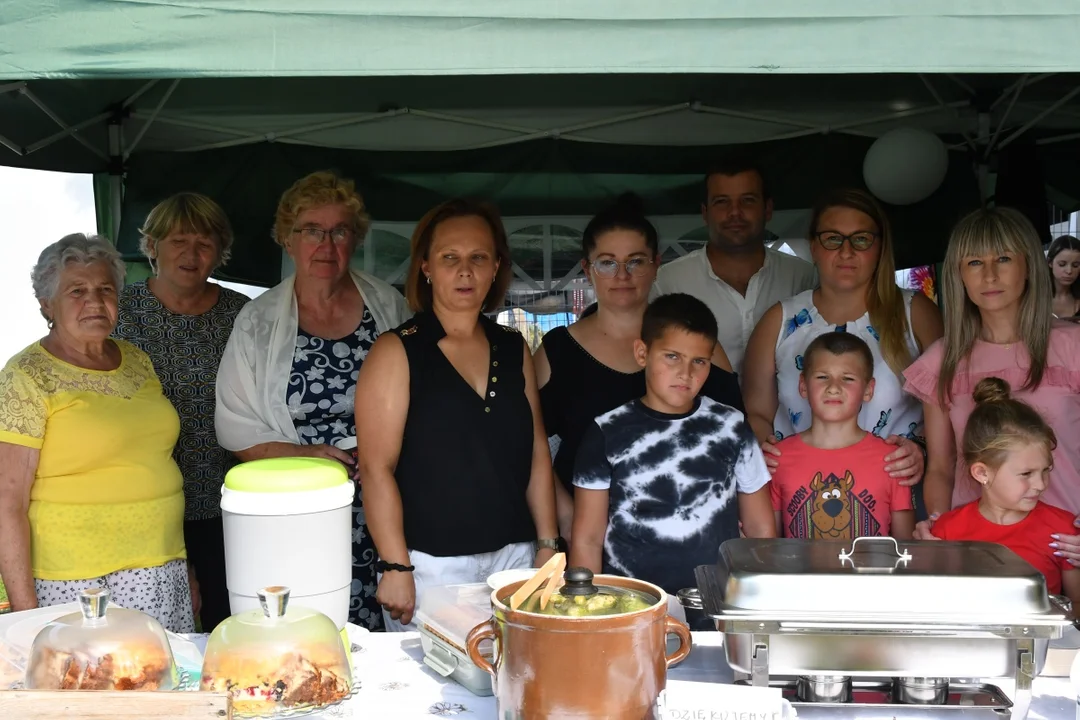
1057	398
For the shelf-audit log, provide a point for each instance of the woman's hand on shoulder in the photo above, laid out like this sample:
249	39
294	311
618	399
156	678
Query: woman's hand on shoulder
923	529
771	453
1068	546
907	463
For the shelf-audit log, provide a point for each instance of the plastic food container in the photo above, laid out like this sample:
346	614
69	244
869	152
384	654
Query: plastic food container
288	521
277	660
446	615
101	648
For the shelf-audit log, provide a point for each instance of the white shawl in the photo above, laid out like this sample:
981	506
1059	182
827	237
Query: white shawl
255	367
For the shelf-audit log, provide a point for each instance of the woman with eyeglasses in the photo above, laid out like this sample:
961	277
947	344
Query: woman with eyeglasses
857	293
287	379
589	368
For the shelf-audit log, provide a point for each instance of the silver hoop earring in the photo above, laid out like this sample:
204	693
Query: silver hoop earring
50	324
428	279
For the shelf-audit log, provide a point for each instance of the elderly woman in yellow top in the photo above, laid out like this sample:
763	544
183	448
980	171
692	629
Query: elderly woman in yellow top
89	492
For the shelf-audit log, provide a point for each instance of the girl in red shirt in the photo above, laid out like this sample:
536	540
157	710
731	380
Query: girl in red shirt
1007	448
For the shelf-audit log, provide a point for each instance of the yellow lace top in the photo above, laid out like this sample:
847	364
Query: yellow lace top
107	494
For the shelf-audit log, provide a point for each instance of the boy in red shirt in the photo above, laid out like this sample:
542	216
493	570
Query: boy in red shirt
1007	448
830	484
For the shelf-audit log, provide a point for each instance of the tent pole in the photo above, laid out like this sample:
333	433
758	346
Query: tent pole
548	247
150	121
25	92
982	166
1005	117
940	101
1038	118
116	177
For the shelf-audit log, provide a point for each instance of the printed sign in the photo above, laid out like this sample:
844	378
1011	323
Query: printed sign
715	701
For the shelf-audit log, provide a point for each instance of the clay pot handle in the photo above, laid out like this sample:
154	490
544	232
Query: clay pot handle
480	633
674	627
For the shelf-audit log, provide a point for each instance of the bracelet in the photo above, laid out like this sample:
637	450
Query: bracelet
382	567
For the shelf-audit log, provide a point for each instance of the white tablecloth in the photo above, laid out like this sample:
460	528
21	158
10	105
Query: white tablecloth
395	683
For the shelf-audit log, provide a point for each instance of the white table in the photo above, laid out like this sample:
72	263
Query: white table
394	682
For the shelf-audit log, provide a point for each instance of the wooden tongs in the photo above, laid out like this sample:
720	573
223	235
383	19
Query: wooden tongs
552	571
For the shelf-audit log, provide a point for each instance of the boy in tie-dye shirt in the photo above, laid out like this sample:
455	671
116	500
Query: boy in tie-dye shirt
662	481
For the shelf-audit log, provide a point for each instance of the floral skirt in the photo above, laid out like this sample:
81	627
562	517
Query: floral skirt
161	592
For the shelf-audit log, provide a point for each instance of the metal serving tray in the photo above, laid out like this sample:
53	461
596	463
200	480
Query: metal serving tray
874	607
878	581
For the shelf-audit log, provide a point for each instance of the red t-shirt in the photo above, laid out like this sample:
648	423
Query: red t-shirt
836	494
1029	538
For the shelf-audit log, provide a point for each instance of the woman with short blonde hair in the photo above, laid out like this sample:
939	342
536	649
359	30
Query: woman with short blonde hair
288	376
182	320
998	323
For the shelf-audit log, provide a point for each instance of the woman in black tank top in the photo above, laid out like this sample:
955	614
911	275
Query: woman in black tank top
453	457
589	368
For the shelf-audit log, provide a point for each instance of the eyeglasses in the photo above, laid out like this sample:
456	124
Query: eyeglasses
608	268
832	240
340	235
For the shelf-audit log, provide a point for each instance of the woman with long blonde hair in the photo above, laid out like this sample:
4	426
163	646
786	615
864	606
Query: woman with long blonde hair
998	323
852	248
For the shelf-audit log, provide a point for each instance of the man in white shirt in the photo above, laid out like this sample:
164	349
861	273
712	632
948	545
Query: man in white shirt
735	274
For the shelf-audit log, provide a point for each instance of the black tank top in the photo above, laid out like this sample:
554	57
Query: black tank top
466	460
581	388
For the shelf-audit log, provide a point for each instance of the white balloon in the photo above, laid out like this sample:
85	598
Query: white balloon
905	166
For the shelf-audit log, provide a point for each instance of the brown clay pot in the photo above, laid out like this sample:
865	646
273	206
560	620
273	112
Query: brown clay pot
549	667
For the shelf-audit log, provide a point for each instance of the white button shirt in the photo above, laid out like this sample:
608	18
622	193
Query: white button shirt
781	277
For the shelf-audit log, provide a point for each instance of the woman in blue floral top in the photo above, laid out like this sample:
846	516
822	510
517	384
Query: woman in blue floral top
287	381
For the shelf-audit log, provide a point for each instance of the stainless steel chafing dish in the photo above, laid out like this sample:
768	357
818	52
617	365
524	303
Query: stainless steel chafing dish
916	614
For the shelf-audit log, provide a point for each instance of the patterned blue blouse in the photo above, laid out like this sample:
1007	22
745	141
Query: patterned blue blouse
320	396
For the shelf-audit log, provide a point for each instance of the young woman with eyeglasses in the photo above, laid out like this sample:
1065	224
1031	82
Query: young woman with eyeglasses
857	293
589	368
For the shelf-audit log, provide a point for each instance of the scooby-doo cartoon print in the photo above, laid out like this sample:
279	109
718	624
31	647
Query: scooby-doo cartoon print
831	510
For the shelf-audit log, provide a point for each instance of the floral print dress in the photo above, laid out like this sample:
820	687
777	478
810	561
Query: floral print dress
890	412
320	394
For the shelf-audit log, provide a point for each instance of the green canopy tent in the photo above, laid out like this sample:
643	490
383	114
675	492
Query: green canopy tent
549	109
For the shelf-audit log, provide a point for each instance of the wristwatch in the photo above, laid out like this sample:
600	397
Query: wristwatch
548	544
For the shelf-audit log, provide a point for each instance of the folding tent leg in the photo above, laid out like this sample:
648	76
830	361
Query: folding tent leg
116	178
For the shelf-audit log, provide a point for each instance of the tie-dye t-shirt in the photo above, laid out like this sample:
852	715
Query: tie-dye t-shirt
672	482
836	494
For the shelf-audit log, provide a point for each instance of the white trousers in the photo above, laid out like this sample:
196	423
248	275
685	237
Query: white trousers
432	571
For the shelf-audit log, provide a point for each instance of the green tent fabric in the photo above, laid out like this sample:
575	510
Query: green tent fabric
240	38
547	108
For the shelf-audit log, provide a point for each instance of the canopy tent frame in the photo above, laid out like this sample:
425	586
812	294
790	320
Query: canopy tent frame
526	134
548	110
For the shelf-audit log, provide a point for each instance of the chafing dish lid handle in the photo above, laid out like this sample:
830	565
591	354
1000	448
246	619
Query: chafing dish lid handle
847	554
